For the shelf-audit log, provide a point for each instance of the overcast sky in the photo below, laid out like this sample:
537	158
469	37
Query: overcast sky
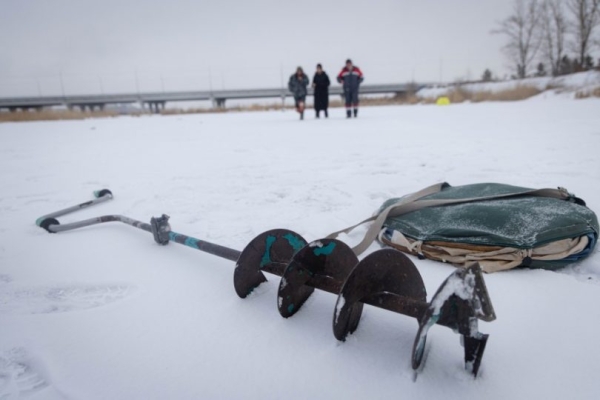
106	45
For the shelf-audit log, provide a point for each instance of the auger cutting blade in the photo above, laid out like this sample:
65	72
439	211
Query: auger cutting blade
270	251
459	302
387	278
484	310
474	348
323	263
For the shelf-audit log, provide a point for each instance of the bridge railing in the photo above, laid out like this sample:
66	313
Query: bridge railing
163	97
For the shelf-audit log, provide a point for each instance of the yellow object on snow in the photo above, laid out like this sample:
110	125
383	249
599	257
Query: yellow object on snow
443	101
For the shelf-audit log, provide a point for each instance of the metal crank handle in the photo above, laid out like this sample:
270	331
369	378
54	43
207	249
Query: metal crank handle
49	219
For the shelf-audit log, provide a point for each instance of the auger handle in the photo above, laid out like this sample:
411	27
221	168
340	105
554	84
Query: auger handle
50	219
159	227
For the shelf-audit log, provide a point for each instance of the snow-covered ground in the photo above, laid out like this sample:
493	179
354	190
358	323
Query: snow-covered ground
583	82
105	313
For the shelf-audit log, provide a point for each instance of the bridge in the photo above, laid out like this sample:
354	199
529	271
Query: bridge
156	101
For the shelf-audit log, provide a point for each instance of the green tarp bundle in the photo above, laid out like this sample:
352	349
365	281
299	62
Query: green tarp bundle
500	226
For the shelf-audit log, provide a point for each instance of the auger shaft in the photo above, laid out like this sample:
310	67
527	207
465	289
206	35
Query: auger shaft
399	304
207	247
387	301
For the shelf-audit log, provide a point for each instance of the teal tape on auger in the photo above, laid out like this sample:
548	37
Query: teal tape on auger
266	258
325	250
190	242
295	241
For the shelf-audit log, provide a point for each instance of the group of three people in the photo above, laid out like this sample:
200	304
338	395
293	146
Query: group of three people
350	77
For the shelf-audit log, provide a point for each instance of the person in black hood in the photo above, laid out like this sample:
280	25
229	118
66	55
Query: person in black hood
298	84
321	86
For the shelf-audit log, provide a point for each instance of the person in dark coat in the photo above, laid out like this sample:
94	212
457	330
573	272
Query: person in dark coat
351	77
298	84
321	86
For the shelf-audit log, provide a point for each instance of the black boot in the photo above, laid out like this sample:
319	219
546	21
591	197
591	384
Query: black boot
348	113
302	114
355	112
317	113
326	115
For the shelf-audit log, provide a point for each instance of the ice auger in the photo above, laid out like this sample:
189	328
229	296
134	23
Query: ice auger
385	278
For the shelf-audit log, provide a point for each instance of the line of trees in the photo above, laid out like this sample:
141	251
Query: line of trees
544	31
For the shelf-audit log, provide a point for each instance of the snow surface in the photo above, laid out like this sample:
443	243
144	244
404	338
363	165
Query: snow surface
582	81
105	313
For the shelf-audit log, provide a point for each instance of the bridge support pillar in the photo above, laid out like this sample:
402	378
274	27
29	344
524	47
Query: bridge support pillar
218	103
155	107
282	103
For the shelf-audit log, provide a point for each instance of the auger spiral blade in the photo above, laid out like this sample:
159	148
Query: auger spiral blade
386	278
270	251
323	264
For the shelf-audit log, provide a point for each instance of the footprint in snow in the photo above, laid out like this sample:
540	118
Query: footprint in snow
20	375
56	299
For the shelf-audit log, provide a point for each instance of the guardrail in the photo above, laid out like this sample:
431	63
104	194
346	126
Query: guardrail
160	98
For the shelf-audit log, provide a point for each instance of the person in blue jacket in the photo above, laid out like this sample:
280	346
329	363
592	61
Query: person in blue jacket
298	84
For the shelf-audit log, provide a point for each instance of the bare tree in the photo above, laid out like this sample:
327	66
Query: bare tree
523	36
586	17
487	75
554	30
